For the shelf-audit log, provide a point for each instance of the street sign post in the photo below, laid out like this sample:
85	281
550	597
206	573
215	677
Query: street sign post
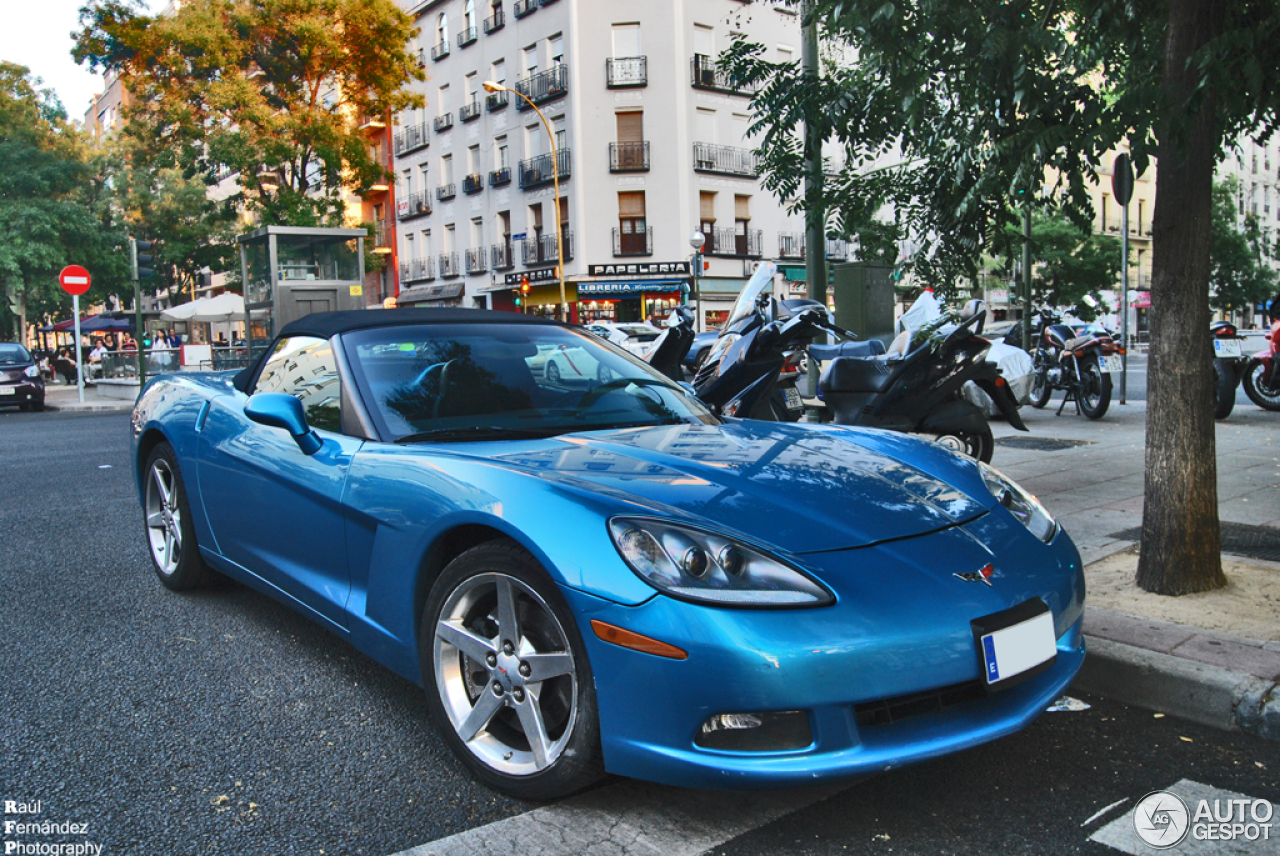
75	281
1122	187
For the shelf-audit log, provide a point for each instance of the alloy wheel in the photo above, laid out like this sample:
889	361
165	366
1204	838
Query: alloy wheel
505	674
164	517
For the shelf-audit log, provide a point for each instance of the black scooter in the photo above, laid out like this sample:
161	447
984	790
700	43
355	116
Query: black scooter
916	392
671	347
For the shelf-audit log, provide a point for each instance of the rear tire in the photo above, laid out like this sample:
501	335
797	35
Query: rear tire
1224	390
1095	388
1265	398
1041	392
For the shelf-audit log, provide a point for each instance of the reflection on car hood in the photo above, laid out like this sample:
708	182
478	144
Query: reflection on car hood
809	490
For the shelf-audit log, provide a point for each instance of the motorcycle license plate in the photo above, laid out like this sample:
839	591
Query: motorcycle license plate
1227	348
793	398
1111	364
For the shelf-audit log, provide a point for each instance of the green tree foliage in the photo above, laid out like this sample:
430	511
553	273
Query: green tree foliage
273	90
956	112
55	206
1238	273
1068	263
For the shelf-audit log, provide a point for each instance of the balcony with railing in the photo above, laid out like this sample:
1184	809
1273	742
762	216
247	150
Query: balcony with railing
633	243
748	244
500	176
626	72
446	191
707	75
541	249
536	171
791	245
383	236
724	160
837	249
467	36
443	122
411	138
415	205
497	22
629	157
449	265
470	111
422	57
418	270
543	86
475	260
472	183
503	257
440	51
497	101
525	7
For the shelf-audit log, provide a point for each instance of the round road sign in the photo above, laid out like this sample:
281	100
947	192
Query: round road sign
74	279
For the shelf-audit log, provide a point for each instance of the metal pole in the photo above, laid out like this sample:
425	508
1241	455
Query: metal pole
1027	279
1124	301
75	313
137	311
815	257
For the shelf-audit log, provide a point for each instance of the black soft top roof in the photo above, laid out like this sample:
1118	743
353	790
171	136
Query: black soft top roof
324	325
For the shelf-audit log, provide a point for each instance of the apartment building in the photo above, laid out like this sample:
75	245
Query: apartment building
651	145
1256	167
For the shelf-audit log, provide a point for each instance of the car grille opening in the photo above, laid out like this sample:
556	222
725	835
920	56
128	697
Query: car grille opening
887	711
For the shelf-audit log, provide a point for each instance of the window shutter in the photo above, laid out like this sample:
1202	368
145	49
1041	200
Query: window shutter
631	127
707	206
742	207
631	205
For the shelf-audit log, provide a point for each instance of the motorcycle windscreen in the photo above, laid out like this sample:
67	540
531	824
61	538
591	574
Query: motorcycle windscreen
746	303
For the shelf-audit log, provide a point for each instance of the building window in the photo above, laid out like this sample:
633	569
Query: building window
555	49
707	213
442	29
633	232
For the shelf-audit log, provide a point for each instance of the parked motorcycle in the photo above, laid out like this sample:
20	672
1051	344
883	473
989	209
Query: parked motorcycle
1262	371
1228	366
911	388
669	350
1079	365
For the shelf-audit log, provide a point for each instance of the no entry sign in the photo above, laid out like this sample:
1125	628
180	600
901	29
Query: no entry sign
74	280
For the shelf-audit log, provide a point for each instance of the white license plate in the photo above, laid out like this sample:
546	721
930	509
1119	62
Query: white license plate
1227	348
8	390
1112	364
1018	648
793	398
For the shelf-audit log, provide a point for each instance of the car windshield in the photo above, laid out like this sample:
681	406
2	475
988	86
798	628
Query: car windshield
11	353
453	383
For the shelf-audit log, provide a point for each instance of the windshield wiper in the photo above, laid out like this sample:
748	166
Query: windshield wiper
478	432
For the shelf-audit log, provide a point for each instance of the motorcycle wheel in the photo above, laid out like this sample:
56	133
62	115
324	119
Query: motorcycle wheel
1095	389
1224	390
1041	392
1259	394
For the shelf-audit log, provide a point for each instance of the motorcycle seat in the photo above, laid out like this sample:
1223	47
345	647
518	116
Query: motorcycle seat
868	348
865	374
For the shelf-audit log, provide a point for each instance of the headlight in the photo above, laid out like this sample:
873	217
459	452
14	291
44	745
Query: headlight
31	371
1021	504
709	568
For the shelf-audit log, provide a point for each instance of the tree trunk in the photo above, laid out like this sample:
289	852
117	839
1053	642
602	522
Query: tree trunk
1181	551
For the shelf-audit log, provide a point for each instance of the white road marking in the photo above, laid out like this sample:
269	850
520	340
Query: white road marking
1120	835
1101	812
633	818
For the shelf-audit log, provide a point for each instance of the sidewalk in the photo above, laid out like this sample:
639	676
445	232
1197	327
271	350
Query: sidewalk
63	398
1213	658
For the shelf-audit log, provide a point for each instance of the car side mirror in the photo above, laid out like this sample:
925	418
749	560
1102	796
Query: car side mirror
278	410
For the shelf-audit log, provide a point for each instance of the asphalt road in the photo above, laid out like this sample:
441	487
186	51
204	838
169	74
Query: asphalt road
220	722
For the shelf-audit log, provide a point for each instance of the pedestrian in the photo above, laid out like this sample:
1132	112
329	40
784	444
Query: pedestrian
95	367
161	356
65	365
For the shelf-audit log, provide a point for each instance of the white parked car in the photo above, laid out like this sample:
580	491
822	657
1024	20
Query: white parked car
638	337
565	364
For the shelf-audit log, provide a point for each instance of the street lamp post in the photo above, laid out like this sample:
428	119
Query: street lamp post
696	240
494	86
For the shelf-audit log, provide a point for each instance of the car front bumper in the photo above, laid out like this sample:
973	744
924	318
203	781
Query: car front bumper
880	643
25	392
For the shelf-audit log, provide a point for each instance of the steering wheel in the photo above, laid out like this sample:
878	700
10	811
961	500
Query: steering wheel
592	395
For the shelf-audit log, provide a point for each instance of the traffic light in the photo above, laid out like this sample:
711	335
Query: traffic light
141	257
146	340
524	285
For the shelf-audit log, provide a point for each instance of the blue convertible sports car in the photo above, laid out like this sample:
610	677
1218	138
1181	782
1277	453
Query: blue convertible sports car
608	576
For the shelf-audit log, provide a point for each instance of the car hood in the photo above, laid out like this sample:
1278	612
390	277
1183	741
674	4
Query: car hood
811	488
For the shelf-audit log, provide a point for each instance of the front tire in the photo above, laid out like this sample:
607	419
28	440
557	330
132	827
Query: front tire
1041	392
1095	388
171	535
1224	390
507	676
1259	394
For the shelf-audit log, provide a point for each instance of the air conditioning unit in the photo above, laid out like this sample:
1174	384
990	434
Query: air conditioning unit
749	267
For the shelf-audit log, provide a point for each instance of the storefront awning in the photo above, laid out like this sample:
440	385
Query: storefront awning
423	293
629	288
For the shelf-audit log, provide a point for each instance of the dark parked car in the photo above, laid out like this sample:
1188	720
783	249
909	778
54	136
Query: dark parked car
20	381
698	351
